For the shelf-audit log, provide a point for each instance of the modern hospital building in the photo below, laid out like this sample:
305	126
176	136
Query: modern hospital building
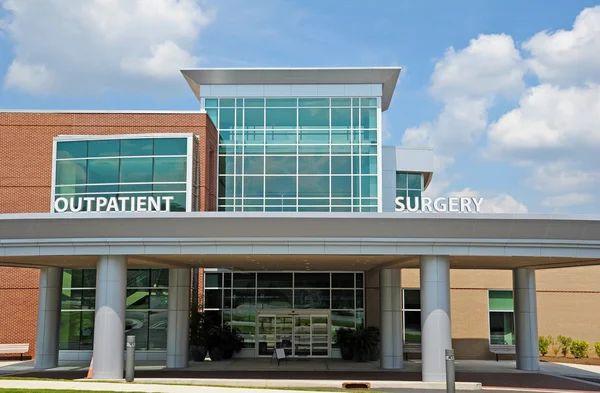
274	203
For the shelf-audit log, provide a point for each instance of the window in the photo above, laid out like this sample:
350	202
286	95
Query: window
154	167
146	308
411	313
502	323
308	153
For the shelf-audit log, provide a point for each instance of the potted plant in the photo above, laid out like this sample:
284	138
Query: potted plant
215	343
366	344
344	338
197	336
233	342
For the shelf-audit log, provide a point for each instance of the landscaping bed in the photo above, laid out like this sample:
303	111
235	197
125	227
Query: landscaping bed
592	361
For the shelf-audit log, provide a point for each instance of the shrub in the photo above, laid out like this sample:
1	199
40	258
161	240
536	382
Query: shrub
597	348
580	349
565	344
544	343
556	348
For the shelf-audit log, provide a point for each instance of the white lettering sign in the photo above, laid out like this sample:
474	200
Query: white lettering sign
440	205
113	204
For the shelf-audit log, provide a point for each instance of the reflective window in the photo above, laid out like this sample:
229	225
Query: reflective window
71	150
412	315
502	324
103	148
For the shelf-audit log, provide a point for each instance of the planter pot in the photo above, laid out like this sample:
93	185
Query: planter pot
198	354
216	354
347	353
228	354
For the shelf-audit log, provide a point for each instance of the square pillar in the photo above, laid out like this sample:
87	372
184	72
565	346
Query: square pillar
178	325
48	320
109	321
436	333
391	318
526	329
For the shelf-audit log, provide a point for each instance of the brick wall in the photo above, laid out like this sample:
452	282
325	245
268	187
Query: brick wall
26	177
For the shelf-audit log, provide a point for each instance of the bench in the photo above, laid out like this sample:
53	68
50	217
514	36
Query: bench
410	348
14	348
502	349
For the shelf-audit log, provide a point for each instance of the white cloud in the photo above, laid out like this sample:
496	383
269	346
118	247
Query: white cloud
566	200
490	65
96	45
501	203
568	57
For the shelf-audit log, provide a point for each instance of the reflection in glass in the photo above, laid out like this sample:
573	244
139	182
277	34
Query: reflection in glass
311	298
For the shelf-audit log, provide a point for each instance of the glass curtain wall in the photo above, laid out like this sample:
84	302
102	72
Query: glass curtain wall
146	308
502	320
237	296
151	167
296	154
409	185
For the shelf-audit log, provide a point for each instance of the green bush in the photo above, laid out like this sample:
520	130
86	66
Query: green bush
565	344
556	348
544	343
580	349
597	348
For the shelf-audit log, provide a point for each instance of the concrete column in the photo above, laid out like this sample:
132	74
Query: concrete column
436	334
109	323
526	330
178	326
391	318
48	320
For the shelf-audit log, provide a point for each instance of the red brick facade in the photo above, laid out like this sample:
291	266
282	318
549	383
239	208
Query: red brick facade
26	140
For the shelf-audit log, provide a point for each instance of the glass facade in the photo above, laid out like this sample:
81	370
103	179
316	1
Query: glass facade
297	154
238	296
411	315
146	308
502	319
409	185
140	166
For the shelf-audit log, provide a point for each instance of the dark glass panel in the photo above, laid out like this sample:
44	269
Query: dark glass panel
213	280
313	186
401	180
274	298
280	186
254	165
226	186
71	149
281	118
87	330
137	147
313	165
412	299
280	164
212	298
157	329
136	170
313	118
311	280
244	298
138	299
342	280
275	280
359	298
311	298
71	172
78	299
136	324
70	330
226	165
341	186
138	278
103	148
502	330
103	170
244	280
170	169
159	278
312	102
227	280
414	181
159	298
412	326
359	280
342	298
170	146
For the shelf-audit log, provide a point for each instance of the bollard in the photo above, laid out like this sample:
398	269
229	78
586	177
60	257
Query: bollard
130	359
450	377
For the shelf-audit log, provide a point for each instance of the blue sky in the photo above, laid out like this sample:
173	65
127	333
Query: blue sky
484	83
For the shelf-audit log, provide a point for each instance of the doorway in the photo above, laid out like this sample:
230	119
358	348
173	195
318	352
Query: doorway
301	333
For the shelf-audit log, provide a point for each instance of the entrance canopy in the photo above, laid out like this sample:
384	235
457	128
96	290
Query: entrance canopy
299	241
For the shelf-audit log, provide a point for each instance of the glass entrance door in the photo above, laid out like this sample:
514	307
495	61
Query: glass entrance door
300	334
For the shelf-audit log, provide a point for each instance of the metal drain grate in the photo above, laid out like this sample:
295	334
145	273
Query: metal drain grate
356	385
